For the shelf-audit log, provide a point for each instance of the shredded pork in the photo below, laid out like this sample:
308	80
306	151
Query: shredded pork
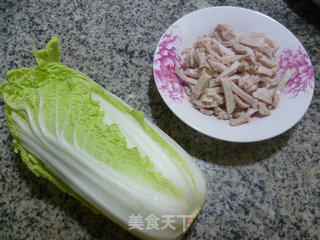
231	75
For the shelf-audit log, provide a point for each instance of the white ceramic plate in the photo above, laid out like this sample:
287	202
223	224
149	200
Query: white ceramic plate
295	98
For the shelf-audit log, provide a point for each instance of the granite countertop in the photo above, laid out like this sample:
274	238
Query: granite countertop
264	190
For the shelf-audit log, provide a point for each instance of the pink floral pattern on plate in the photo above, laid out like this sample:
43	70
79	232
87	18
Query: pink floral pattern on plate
167	58
304	76
165	61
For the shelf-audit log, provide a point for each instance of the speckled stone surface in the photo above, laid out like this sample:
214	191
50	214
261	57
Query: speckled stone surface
265	190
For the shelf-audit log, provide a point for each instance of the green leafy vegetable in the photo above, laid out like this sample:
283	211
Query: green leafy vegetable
90	144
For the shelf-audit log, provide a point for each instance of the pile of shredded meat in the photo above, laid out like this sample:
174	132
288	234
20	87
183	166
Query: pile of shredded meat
231	75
